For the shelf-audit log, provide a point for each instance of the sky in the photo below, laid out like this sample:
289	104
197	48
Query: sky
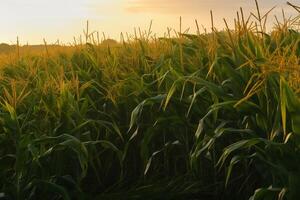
33	20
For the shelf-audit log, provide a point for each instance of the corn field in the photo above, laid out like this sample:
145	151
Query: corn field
197	116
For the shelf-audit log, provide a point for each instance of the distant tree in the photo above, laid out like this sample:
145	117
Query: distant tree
109	42
5	48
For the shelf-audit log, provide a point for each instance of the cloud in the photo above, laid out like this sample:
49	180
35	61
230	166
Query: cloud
194	6
165	6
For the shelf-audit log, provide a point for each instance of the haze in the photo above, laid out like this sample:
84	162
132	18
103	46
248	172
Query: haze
33	20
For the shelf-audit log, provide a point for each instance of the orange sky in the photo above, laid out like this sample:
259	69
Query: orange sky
33	20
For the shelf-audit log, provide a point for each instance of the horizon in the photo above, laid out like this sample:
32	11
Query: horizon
34	20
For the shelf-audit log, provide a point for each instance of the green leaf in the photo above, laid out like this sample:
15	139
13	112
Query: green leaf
53	188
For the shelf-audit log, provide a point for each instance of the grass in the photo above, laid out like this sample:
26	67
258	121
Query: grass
200	116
